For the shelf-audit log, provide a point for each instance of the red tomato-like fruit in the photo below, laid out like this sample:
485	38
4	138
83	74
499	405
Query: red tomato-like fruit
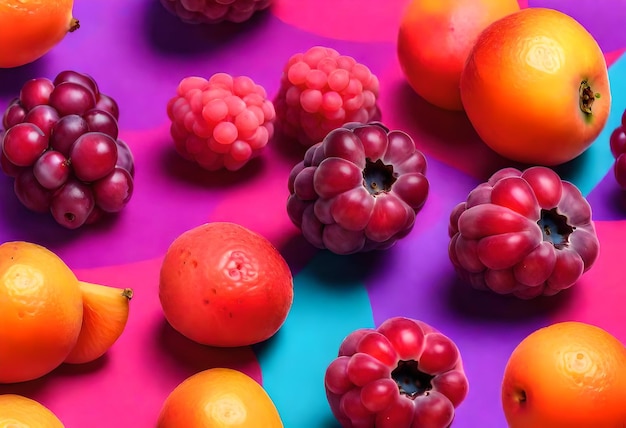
224	285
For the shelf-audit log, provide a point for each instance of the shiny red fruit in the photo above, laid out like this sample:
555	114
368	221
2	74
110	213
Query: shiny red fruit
523	233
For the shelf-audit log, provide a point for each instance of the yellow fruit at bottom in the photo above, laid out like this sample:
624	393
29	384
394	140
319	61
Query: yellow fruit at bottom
566	375
219	398
17	411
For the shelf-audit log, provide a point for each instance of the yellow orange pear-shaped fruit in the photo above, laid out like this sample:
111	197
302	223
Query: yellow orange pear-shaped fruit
17	411
31	28
219	398
41	311
105	313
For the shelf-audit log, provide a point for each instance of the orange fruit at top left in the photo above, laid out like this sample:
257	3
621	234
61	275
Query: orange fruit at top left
41	311
31	28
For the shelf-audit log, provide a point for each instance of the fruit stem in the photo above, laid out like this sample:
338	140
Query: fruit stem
128	293
74	25
586	97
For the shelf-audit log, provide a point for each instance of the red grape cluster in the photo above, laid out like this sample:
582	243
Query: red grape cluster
222	122
618	149
61	146
359	189
525	233
403	374
320	90
214	11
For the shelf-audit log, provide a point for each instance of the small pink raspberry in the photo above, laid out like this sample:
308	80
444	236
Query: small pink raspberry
214	11
222	122
320	91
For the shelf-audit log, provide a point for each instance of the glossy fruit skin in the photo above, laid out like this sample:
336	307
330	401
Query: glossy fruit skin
215	11
526	233
20	411
41	311
359	189
434	41
567	374
219	398
521	87
617	143
402	374
60	143
32	28
222	284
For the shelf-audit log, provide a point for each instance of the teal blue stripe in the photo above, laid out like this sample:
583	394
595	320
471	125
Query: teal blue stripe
330	301
592	166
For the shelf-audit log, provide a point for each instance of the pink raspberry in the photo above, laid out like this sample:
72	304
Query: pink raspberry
214	11
322	90
222	122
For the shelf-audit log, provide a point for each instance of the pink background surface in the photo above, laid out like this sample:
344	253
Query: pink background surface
138	53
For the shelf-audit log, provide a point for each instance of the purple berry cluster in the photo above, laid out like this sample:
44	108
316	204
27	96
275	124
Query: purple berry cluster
359	189
320	90
222	122
60	144
525	233
214	11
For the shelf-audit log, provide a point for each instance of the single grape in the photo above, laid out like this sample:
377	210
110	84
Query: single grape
96	215
30	193
72	204
44	116
101	121
76	77
113	191
108	104
66	131
36	92
619	171
617	141
9	168
72	98
24	143
125	157
93	155
51	169
13	115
